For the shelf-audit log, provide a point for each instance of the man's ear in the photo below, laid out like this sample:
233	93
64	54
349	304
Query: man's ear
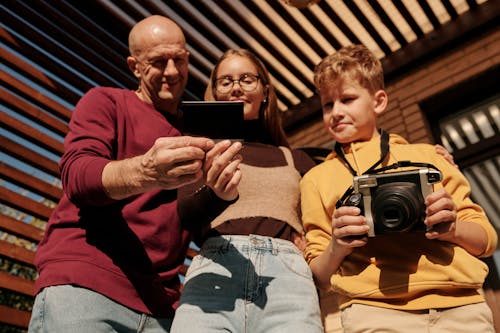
132	65
381	101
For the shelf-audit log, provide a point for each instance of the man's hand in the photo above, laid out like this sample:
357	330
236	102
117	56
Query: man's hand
176	161
169	164
446	154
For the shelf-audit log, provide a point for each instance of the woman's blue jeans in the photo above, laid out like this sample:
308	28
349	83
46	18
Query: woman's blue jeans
248	284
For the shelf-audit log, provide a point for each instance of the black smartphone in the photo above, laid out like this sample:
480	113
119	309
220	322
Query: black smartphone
213	119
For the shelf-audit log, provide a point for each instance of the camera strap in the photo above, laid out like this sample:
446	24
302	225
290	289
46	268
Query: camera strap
384	151
402	164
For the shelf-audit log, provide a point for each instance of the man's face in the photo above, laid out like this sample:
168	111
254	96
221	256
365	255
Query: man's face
162	69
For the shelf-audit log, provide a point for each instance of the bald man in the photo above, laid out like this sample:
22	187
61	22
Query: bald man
159	59
112	249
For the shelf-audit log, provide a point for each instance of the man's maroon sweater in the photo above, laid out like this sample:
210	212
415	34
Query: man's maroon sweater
128	250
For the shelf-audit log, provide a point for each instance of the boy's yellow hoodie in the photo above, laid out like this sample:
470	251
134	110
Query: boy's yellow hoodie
404	271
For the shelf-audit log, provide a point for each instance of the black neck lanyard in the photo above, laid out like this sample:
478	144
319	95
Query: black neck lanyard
384	150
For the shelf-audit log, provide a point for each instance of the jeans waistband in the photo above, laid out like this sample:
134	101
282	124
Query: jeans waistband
250	242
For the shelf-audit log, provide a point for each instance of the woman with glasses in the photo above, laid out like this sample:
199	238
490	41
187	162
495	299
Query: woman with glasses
249	276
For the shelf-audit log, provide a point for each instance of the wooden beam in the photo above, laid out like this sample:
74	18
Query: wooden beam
37	75
32	94
24	204
30	182
28	156
34	113
14	317
468	25
31	134
20	228
17	253
17	284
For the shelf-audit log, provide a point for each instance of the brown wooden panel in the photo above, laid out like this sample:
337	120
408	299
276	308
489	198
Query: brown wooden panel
30	182
20	228
17	253
14	317
93	45
37	76
62	54
24	204
31	134
34	113
36	96
191	253
17	284
183	270
28	156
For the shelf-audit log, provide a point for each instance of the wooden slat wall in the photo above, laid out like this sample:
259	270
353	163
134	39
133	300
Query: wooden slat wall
42	79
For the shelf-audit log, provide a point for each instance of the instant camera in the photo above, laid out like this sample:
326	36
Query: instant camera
393	202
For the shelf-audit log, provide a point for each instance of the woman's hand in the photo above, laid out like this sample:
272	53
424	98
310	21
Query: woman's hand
221	169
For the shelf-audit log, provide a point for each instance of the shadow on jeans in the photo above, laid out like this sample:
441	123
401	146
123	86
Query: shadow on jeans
215	292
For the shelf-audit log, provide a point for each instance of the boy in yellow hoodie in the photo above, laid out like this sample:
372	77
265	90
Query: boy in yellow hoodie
390	280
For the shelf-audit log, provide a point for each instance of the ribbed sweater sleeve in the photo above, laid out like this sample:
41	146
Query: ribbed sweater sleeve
88	147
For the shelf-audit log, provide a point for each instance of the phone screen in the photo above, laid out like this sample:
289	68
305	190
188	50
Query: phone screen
213	119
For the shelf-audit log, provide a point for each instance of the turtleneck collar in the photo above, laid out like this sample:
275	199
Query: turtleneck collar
254	132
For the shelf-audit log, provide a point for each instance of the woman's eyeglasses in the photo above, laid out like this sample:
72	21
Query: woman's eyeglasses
247	82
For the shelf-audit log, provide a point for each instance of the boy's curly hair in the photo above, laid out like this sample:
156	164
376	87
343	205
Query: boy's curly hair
355	62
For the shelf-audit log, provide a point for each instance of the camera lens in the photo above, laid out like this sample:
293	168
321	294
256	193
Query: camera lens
397	207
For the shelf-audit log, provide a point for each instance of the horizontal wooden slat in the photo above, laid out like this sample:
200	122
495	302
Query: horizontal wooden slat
183	270
17	253
28	156
14	317
31	134
20	228
24	204
31	94
94	47
191	253
30	182
63	55
17	284
34	113
38	76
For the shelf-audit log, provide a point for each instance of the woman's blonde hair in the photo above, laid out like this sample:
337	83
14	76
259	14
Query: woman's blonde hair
269	115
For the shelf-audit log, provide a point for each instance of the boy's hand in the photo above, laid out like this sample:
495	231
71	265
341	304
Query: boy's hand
441	215
349	229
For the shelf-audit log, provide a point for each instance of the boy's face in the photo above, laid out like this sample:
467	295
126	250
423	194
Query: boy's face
350	110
